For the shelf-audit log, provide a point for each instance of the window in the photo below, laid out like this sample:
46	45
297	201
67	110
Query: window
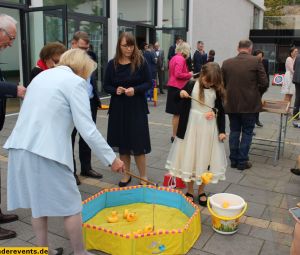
136	10
174	13
90	7
15	1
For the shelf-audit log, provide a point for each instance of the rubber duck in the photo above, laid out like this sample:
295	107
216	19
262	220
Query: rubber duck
138	232
126	211
113	217
148	229
225	204
206	177
131	216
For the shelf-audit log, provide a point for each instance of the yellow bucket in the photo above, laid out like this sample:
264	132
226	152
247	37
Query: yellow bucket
225	225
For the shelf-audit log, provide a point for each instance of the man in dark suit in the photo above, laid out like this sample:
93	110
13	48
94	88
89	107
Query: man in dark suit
8	32
160	55
245	79
199	58
81	40
171	53
296	80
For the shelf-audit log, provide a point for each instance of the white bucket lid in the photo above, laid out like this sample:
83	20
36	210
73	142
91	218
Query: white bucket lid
235	201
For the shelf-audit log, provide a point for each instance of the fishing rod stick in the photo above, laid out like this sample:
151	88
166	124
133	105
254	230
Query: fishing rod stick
140	178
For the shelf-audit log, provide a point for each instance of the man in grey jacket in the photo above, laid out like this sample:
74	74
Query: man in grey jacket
160	55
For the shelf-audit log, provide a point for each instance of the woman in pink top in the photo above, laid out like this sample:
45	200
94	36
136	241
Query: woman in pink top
178	77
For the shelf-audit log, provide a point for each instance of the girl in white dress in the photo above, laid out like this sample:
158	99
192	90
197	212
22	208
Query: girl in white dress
288	87
198	146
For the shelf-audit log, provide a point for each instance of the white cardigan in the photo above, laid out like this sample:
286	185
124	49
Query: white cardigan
55	101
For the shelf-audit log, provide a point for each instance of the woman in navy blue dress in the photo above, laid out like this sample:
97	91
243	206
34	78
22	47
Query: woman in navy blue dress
127	78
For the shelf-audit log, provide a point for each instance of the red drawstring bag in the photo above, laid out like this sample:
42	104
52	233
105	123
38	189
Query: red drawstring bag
173	182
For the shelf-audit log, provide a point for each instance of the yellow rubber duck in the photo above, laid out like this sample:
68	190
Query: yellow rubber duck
206	177
131	216
138	232
126	211
148	229
113	218
225	204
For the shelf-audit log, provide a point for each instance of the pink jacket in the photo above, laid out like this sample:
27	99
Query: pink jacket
178	72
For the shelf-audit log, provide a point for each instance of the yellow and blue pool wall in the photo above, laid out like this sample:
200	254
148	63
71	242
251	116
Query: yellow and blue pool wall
113	198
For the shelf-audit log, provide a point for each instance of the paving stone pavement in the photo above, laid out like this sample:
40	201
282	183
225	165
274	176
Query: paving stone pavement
269	189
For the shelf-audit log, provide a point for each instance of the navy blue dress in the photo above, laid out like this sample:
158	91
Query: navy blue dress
128	129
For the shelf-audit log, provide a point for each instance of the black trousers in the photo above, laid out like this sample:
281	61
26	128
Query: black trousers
160	75
297	99
85	153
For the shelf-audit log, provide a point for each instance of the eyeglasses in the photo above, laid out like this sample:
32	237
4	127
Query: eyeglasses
11	38
129	47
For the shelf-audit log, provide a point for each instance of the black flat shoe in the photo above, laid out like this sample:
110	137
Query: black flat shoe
202	203
7	234
124	184
92	173
172	139
189	196
59	251
295	171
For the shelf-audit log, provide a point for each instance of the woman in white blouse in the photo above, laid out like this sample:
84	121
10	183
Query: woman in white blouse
40	163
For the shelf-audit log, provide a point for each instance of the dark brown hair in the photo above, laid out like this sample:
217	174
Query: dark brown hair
291	50
81	35
51	49
136	57
213	75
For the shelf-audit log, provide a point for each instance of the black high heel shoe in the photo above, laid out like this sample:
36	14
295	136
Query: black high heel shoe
124	184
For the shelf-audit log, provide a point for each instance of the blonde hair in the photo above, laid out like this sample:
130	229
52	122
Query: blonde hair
79	61
183	48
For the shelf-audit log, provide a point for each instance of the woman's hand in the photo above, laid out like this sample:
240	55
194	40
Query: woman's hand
222	137
120	90
118	165
129	92
184	94
210	115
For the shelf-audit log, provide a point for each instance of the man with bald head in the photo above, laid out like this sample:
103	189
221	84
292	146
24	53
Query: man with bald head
8	32
245	81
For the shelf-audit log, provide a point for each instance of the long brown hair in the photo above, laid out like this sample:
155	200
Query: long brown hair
136	57
213	75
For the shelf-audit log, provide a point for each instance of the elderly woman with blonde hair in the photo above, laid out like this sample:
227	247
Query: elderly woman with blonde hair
40	163
178	77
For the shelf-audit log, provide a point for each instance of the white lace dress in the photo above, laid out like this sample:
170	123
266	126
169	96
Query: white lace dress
200	148
288	87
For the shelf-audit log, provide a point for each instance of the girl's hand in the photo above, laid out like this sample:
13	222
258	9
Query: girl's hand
129	92
184	94
120	90
222	137
210	115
